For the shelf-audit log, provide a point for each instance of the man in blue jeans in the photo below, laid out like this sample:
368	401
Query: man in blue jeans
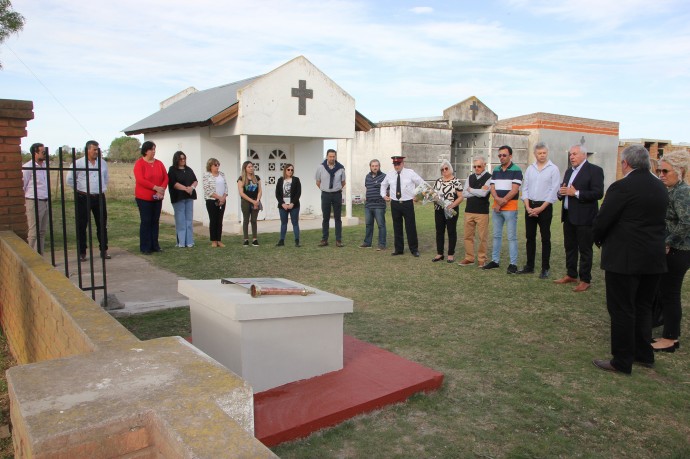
505	187
375	206
330	178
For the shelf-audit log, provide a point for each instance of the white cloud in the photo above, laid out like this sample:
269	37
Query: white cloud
422	10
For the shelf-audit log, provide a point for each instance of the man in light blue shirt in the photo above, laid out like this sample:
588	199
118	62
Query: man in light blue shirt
91	197
539	192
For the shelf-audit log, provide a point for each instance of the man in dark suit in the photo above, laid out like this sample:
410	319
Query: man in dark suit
582	188
630	228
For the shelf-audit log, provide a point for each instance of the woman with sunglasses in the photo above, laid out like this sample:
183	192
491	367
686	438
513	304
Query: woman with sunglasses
215	195
182	184
288	192
450	189
673	170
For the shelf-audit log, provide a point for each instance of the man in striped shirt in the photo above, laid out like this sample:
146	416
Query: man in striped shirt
505	187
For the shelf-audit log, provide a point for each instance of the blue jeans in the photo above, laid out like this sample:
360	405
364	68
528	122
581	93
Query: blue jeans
510	218
294	218
380	216
184	211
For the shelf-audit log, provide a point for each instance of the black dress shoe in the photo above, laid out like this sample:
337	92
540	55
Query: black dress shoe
438	258
544	274
526	270
396	253
416	254
606	365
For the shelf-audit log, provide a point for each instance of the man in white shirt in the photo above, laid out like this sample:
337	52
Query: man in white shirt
36	200
402	183
91	197
539	192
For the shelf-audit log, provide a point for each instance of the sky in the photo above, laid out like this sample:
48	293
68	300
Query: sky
94	67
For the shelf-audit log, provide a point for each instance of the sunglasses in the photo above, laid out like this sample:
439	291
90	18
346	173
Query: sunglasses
663	171
503	155
444	169
289	170
477	167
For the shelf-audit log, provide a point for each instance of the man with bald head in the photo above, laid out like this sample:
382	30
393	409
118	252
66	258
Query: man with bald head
580	191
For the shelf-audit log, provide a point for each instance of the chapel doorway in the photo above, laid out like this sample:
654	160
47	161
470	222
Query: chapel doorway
269	161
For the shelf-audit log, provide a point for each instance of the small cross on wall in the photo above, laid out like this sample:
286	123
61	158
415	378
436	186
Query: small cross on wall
302	93
474	108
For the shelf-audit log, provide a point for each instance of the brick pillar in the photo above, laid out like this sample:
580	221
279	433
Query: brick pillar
14	115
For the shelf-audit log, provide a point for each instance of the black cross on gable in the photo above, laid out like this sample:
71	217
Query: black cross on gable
303	94
474	108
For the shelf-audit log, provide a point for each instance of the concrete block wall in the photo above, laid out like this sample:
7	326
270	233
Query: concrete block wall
14	115
89	388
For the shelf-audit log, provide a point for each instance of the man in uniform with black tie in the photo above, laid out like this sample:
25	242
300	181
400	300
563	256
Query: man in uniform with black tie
402	183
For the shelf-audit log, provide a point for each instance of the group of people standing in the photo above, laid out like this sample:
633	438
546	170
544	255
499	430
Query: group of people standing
152	181
643	228
88	177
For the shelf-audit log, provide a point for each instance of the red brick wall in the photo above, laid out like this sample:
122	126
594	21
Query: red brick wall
14	115
555	122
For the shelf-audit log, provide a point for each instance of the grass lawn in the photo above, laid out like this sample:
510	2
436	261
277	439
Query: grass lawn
516	351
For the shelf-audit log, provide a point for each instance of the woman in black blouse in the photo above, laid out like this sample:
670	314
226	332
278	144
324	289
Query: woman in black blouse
288	192
182	186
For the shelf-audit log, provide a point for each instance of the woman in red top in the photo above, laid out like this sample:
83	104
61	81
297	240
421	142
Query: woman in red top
151	180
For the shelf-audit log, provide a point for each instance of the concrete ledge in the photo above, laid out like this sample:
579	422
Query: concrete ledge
104	392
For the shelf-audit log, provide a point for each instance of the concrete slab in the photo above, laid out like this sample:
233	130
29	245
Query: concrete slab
126	282
134	291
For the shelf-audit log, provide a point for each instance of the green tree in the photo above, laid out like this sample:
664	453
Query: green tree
10	21
126	149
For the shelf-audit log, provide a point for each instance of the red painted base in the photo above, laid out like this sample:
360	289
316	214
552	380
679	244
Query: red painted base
370	378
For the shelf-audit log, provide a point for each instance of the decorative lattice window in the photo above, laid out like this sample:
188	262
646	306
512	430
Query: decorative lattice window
277	154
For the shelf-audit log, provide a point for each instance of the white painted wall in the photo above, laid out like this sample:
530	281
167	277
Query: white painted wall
378	143
604	146
268	108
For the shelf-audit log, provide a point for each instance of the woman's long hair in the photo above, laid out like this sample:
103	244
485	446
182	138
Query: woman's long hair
245	179
286	168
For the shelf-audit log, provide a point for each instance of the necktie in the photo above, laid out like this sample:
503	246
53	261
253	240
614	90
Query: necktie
398	193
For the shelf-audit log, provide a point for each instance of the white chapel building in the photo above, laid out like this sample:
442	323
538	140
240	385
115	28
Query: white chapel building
284	116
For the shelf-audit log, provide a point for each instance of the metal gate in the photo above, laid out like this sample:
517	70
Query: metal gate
60	212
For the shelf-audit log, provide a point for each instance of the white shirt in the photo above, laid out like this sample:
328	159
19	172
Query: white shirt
541	185
41	180
220	185
409	180
570	182
476	192
94	186
287	187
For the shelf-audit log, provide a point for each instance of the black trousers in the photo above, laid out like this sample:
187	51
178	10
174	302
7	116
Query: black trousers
543	221
444	224
404	210
87	205
215	219
629	301
671	284
578	240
